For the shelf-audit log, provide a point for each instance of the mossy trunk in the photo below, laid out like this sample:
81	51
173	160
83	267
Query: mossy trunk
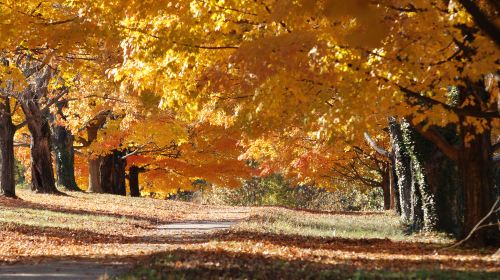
7	161
423	208
65	158
62	143
402	166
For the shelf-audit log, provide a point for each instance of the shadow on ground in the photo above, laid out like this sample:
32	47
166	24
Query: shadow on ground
196	264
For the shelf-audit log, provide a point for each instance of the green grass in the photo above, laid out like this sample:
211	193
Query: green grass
345	226
55	219
349	225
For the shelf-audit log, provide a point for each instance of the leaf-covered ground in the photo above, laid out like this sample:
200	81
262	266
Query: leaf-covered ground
268	243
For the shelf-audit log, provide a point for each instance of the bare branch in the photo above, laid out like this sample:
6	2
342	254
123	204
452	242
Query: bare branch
479	225
376	147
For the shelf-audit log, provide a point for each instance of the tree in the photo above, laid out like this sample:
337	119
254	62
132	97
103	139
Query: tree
338	58
32	42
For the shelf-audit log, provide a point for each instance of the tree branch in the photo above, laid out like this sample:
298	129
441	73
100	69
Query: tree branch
376	147
478	225
435	137
456	110
482	21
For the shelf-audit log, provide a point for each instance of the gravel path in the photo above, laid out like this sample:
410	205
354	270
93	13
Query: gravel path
91	270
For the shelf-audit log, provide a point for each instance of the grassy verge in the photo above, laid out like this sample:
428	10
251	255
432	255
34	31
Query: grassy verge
348	225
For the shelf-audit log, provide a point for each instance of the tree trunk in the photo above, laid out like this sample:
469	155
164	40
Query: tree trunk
443	179
403	169
419	149
42	173
386	187
107	174
133	181
62	141
7	162
97	179
94	175
417	212
395	200
476	174
100	180
118	173
65	158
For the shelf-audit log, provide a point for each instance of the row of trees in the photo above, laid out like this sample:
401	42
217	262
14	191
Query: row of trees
292	85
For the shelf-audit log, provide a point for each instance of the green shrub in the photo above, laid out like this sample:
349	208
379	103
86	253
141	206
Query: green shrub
274	190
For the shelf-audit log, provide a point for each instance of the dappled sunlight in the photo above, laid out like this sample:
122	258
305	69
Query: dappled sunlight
273	237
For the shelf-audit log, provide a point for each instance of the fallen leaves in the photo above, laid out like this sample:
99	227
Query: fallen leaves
268	244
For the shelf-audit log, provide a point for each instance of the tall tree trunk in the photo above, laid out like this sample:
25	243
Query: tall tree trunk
417	212
62	141
106	173
42	172
97	164
7	162
133	181
441	174
403	169
475	164
424	214
65	158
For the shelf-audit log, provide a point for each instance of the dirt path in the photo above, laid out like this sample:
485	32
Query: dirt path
157	240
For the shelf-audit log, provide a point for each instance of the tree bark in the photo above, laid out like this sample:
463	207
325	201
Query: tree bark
386	187
395	200
441	174
42	172
403	169
7	162
417	211
476	174
107	174
100	174
62	142
133	181
118	173
65	159
94	175
419	149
